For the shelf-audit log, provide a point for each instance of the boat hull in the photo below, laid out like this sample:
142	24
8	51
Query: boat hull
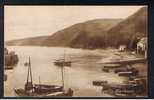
63	63
41	88
23	93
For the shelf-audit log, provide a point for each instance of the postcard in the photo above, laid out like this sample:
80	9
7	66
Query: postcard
76	51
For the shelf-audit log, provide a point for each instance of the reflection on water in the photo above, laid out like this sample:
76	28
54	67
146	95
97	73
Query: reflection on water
79	76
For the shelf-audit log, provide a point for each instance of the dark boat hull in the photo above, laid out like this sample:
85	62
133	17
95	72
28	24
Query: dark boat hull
41	88
23	93
62	63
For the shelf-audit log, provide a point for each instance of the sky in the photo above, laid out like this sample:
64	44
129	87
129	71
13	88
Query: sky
31	21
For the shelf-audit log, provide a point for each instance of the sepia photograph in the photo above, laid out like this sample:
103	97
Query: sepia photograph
76	51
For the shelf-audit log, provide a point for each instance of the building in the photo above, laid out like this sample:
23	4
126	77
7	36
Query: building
122	48
142	46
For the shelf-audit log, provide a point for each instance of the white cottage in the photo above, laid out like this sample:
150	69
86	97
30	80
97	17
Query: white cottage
142	46
122	48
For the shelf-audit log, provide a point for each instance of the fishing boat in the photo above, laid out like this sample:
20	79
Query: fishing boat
62	62
41	90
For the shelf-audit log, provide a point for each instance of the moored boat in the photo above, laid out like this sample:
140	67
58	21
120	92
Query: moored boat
40	90
62	62
24	93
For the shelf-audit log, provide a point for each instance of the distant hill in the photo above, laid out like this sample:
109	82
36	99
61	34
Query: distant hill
78	35
127	31
96	33
33	41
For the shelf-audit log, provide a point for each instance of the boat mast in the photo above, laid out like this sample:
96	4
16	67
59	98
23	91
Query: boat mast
29	84
29	72
39	81
62	70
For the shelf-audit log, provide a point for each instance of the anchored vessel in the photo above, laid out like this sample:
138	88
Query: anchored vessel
62	62
41	90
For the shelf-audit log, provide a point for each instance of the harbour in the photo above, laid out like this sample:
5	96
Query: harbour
84	53
83	71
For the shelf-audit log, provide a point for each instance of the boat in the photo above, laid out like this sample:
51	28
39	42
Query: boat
119	90
62	62
52	91
129	69
112	66
99	82
41	90
128	73
124	93
108	67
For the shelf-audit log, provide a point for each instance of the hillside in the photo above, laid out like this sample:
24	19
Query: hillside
133	27
96	33
72	36
33	41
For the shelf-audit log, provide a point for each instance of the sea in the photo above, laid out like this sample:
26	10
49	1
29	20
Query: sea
79	76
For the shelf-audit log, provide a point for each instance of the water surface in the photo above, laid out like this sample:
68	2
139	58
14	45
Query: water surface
79	76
